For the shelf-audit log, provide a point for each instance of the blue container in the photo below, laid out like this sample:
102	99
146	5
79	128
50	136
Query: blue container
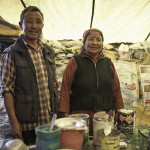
47	140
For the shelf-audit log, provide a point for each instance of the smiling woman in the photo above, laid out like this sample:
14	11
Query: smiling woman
94	43
90	83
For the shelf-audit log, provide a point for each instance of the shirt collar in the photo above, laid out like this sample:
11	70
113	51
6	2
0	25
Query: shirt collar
40	43
94	59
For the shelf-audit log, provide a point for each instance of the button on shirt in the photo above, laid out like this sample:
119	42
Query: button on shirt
8	83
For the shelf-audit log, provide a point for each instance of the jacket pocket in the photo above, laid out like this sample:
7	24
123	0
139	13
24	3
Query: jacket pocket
24	109
20	61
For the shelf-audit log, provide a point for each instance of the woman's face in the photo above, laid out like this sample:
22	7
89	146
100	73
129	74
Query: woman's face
93	43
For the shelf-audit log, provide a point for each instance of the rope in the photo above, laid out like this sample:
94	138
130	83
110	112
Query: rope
134	16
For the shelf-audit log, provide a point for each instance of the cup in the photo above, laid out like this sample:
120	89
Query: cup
109	142
47	140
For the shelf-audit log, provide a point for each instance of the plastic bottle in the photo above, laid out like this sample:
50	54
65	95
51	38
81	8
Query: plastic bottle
148	143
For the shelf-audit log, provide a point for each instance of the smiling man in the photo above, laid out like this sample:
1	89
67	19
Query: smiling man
28	80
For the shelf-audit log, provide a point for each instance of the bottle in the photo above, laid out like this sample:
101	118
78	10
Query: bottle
148	143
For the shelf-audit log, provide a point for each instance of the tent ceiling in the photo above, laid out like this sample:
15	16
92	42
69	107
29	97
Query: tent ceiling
119	20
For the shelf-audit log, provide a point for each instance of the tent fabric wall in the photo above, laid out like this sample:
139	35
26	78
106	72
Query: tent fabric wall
7	29
120	21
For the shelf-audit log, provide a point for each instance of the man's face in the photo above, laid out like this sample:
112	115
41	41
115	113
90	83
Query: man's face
32	25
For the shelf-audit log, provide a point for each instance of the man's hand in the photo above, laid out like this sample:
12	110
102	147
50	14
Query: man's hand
16	130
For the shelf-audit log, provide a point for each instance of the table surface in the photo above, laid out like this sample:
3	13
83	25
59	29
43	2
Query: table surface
130	145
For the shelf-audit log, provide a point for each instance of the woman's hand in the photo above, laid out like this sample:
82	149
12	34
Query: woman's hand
63	114
116	119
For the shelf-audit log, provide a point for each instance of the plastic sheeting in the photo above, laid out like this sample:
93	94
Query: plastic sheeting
119	20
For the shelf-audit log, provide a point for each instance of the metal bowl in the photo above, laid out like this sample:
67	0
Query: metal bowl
71	123
15	144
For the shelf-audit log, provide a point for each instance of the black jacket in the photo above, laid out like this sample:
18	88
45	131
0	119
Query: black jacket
92	87
26	98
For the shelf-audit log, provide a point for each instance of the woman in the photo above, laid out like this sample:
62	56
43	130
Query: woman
90	82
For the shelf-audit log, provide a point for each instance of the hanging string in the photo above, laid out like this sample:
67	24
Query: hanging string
133	17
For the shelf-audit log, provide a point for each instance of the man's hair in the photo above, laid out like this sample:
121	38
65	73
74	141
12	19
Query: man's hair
30	8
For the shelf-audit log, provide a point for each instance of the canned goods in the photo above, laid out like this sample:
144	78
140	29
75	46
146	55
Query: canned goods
110	142
126	120
101	121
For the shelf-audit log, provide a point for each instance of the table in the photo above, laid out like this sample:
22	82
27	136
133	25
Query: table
130	146
135	141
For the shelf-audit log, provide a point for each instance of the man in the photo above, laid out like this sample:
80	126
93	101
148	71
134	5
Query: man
28	80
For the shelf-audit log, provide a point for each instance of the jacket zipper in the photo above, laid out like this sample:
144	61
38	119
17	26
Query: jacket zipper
95	72
96	78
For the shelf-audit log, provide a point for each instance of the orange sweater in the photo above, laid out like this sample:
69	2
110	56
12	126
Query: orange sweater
68	77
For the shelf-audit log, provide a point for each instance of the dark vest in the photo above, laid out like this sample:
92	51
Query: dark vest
26	98
92	87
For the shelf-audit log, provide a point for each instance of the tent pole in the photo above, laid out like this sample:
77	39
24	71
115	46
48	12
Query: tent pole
23	3
147	36
93	5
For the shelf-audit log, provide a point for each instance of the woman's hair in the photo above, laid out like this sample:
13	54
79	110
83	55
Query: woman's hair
87	32
30	8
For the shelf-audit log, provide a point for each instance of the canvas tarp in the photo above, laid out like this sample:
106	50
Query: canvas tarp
119	20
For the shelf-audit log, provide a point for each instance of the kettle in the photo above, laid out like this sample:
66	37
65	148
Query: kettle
15	144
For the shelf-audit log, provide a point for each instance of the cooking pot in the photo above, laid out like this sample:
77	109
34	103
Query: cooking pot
15	144
72	132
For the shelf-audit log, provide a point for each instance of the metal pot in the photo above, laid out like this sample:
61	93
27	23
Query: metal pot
15	144
72	132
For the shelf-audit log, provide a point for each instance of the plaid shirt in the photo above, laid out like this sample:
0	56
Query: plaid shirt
8	83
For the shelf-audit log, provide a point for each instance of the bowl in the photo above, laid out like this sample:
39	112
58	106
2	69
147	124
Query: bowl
15	144
72	132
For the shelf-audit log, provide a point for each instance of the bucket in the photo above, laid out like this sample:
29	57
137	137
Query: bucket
126	120
84	117
110	142
72	132
47	140
100	121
